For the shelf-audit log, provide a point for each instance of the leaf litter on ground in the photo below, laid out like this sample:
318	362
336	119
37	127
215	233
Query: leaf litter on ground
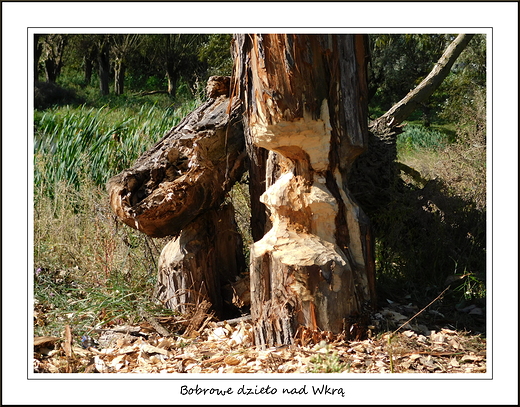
222	347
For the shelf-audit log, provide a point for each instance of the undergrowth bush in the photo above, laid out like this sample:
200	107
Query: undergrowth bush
435	226
415	136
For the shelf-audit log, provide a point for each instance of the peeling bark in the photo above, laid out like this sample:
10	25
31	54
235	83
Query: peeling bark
305	101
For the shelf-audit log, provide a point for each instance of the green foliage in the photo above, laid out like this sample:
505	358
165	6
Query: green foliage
239	197
328	362
47	95
151	61
418	136
89	270
399	62
73	144
215	53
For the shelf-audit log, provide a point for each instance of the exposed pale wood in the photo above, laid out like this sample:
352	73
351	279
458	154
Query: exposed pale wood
234	321
305	101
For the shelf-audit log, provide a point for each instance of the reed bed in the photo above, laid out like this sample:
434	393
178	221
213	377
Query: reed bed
73	144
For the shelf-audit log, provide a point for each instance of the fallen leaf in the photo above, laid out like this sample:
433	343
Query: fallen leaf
101	367
44	341
153	349
231	360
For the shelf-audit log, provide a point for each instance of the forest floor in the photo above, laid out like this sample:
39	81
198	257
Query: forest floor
208	346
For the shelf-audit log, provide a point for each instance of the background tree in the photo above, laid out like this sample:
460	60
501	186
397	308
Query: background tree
103	56
121	46
52	54
175	53
398	63
38	49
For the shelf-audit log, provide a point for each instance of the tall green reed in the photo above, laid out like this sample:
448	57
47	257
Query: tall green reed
71	144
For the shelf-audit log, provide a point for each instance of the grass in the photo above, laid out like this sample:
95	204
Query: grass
328	362
71	142
89	270
418	136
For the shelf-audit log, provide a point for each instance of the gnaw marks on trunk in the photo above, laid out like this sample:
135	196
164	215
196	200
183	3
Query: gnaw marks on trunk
177	188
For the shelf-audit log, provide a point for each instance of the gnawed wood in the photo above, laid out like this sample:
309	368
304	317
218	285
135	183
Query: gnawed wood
186	173
195	266
305	102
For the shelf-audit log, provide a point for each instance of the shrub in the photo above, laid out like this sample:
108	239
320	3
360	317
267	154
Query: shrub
48	94
415	136
89	270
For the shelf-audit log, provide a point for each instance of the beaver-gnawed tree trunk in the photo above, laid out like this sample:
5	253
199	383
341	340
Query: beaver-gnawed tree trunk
305	102
177	189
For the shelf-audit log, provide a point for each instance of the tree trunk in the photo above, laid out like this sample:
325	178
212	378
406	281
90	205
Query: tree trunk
172	82
177	188
119	77
215	258
104	69
53	61
185	174
89	59
38	48
88	70
305	101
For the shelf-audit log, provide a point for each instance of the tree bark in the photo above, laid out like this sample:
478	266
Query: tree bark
196	265
104	68
53	49
305	102
177	188
119	77
38	49
185	174
172	81
88	69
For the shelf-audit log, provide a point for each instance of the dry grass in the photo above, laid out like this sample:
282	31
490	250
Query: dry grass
89	269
